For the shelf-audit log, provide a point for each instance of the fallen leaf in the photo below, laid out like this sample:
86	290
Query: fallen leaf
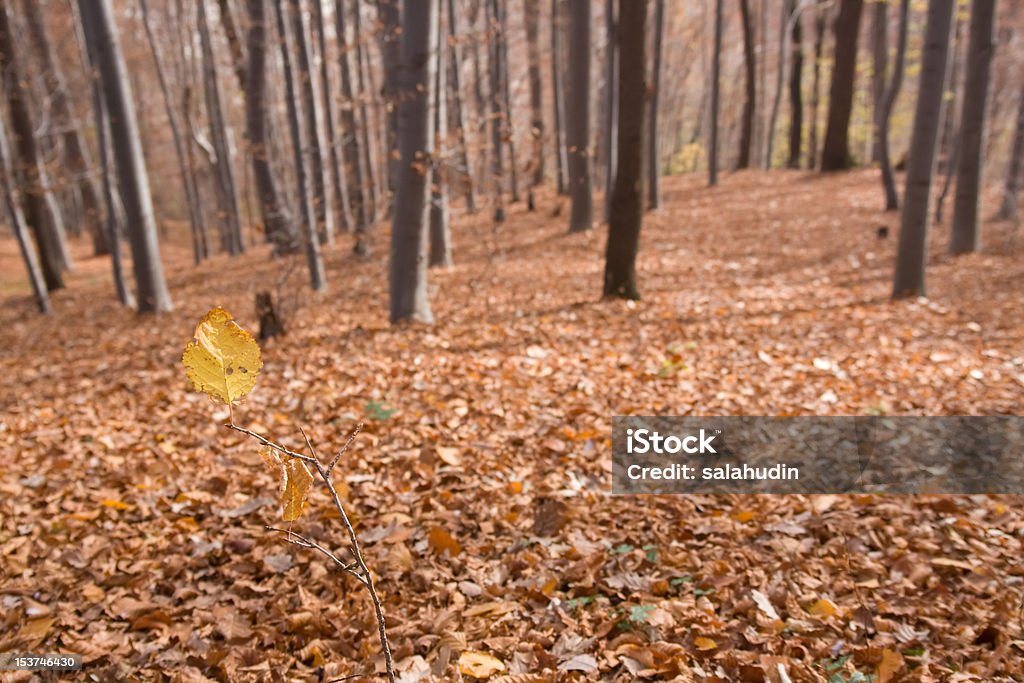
479	664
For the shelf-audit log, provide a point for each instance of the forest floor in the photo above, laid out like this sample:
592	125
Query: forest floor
132	524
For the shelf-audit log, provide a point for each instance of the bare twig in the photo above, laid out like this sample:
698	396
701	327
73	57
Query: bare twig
357	568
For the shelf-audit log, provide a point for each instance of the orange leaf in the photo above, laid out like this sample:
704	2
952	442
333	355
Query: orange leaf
440	541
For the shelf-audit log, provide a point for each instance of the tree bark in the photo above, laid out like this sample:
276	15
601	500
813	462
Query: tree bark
611	105
558	95
276	218
18	225
349	130
391	22
879	65
966	235
796	75
459	113
531	10
909	278
578	122
339	183
835	154
653	139
892	200
506	98
1008	206
230	220
370	156
780	77
440	224
716	87
199	247
627	202
310	237
749	102
77	160
102	38
32	173
415	140
497	110
819	49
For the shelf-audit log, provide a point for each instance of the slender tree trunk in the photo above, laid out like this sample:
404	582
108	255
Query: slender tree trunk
909	278
716	86
440	225
578	122
483	118
18	225
349	129
310	237
506	98
276	218
497	110
558	95
653	139
227	20
32	173
102	39
780	77
611	104
339	184
749	103
311	110
1008	207
195	213
370	157
796	75
761	33
627	203
391	23
230	220
879	64
531	10
819	49
892	200
966	236
77	161
455	69
835	154
415	139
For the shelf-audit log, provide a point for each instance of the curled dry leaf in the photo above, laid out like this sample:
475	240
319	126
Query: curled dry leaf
479	664
294	482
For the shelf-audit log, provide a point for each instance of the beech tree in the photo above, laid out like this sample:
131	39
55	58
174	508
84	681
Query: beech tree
909	278
440	216
796	75
611	82
531	12
835	155
966	235
101	36
653	138
892	201
1008	206
627	206
408	283
716	78
578	120
750	98
558	96
459	110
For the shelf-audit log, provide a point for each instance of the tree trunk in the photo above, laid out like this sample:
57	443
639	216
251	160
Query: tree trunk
909	278
415	142
77	162
339	184
349	129
391	22
18	226
611	105
627	202
310	237
892	200
313	116
455	69
749	102
558	95
796	75
32	172
506	98
716	87
578	122
819	49
497	110
653	139
230	220
531	10
835	154
440	225
879	64
276	218
227	20
1008	207
133	179
195	213
966	235
370	157
780	77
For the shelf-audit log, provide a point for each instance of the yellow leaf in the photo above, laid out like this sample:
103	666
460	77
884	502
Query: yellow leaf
223	359
824	607
479	664
890	666
440	540
295	481
116	504
703	643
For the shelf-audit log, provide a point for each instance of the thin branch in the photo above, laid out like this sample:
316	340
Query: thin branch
348	444
277	447
306	542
